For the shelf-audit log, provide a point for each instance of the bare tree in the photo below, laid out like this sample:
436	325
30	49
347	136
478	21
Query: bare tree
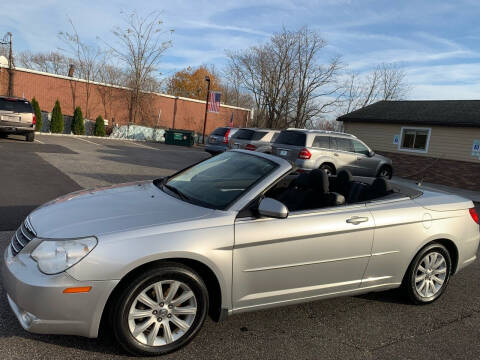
112	76
140	46
288	79
385	82
50	62
86	57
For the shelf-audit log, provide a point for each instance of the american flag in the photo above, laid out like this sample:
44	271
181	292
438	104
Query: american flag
214	102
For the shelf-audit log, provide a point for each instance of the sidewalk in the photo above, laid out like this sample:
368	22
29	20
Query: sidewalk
469	194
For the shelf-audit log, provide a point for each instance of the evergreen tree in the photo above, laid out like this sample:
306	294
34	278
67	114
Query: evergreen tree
38	114
56	125
99	126
78	127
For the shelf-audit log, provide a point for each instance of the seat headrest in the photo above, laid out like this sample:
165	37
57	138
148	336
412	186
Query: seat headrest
344	177
320	180
381	187
303	180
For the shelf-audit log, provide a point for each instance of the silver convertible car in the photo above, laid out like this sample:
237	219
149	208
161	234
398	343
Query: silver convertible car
238	232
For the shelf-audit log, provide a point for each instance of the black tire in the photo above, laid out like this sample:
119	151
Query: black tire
30	136
385	172
126	297
409	282
3	135
328	169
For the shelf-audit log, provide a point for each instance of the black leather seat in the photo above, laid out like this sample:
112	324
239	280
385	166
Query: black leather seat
379	188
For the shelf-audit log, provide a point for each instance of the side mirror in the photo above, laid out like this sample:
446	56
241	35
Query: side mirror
272	208
371	153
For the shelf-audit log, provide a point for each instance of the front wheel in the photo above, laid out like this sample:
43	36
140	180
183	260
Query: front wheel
428	274
160	310
385	172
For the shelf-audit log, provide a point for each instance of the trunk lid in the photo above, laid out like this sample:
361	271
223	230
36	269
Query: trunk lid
442	201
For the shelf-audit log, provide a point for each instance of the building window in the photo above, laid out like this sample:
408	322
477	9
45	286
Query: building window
415	139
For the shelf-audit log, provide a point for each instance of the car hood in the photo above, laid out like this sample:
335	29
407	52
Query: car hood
111	209
382	158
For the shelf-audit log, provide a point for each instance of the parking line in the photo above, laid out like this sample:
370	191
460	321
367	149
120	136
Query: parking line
91	142
41	142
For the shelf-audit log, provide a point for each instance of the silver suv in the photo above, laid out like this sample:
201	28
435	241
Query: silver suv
330	151
17	117
253	139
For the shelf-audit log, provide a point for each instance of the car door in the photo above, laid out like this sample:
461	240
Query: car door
366	165
308	254
345	155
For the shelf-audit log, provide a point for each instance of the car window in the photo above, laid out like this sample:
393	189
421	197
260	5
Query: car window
18	106
344	144
221	131
218	181
246	134
360	148
258	135
295	138
321	142
274	137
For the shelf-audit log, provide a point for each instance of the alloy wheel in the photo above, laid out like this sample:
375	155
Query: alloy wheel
430	275
162	313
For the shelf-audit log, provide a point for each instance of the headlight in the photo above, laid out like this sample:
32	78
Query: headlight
56	256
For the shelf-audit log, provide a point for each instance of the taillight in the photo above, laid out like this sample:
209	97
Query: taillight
474	215
304	154
225	137
34	121
250	147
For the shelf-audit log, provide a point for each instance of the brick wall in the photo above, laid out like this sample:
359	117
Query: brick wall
47	88
460	174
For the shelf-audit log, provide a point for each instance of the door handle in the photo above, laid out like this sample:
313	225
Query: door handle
355	220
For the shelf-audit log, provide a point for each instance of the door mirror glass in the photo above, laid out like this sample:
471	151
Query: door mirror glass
272	208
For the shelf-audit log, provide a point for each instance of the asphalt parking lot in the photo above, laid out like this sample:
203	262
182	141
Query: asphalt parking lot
373	326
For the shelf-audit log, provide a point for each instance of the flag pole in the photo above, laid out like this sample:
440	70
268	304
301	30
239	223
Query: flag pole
207	79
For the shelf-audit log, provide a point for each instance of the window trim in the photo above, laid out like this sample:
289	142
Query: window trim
427	145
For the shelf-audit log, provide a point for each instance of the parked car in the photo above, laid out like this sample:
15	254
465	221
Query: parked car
330	151
218	140
253	139
238	232
17	117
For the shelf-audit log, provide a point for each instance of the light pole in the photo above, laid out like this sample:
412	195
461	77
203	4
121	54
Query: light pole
7	40
207	79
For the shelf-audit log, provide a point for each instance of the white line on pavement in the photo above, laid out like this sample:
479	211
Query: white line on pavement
88	141
41	142
163	150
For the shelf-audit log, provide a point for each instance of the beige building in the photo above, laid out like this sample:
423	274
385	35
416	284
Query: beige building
437	141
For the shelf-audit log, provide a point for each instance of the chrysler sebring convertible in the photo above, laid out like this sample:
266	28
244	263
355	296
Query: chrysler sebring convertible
238	232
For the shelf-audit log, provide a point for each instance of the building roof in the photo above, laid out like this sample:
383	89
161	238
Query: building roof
421	112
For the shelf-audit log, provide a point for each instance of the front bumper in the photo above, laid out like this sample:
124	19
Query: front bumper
41	306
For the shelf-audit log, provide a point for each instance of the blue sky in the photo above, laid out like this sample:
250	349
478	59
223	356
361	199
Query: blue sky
437	42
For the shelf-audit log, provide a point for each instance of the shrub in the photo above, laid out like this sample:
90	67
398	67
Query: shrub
99	126
38	114
78	125
56	125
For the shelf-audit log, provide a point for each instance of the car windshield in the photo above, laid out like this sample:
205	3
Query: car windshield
295	138
17	106
218	181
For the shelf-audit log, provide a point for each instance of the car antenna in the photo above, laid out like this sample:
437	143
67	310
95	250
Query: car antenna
422	172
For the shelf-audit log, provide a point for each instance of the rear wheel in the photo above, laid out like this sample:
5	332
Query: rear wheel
328	169
30	136
160	311
428	274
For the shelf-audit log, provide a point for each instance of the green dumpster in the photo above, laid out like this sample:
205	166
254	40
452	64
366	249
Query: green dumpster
179	137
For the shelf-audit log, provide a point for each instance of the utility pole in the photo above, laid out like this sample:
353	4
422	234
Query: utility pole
7	40
207	79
